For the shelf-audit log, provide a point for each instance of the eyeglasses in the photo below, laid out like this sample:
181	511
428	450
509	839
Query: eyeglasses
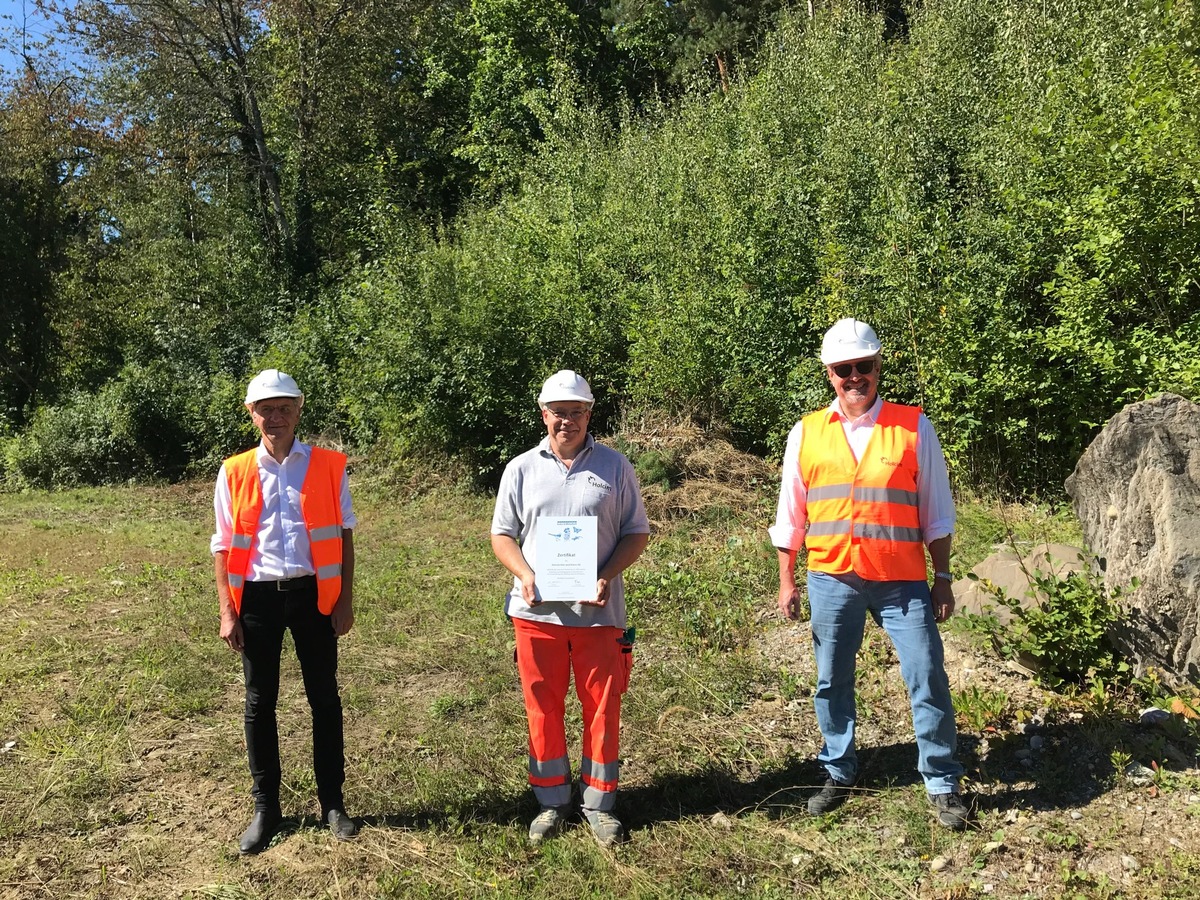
270	409
864	367
563	415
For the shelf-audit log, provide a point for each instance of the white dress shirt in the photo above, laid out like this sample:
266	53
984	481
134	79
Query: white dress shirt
281	546
935	504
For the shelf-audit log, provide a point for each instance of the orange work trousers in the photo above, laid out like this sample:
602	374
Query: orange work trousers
546	655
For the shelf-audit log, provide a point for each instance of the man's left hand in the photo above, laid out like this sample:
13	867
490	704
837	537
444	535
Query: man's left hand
342	616
601	592
941	595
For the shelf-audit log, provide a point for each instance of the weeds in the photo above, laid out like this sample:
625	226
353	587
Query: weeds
980	707
712	604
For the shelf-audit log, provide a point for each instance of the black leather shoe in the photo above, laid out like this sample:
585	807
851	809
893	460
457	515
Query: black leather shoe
262	829
340	824
829	797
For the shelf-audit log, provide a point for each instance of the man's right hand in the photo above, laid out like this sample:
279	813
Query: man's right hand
789	601
528	594
231	632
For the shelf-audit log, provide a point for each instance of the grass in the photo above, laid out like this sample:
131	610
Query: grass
127	776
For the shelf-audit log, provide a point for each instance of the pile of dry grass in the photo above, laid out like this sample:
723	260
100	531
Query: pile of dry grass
711	473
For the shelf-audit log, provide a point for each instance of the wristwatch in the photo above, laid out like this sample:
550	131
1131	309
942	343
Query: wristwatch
945	575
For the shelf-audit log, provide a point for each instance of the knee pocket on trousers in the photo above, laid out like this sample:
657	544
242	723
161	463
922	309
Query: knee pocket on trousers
626	667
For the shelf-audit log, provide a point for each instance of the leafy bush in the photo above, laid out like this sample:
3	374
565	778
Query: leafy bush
1067	634
86	440
138	426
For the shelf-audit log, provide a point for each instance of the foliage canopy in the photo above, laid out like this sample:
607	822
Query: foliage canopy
421	234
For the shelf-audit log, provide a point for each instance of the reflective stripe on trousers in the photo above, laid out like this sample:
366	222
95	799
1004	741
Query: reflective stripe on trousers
546	656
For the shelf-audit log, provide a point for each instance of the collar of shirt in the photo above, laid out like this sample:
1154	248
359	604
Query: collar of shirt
298	448
544	446
866	420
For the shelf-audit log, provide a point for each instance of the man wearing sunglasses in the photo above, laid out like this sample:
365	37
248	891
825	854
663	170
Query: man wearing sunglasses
569	476
865	489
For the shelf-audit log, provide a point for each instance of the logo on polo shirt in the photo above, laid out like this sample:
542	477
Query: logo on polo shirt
597	485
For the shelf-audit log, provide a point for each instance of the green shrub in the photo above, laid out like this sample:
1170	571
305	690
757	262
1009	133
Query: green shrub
136	427
85	440
1067	634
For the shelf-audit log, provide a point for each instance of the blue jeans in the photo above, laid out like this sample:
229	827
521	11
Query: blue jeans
839	606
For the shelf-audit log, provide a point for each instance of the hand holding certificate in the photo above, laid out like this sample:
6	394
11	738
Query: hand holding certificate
566	565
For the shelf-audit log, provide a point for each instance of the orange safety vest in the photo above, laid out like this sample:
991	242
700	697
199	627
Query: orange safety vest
320	503
862	515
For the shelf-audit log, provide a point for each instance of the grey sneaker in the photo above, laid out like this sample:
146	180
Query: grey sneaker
606	827
952	813
830	797
549	822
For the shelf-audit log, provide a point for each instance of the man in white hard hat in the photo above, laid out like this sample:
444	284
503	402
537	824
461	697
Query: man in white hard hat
865	489
570	481
283	553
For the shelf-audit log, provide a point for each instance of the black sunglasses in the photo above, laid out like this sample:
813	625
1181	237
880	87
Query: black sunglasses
864	367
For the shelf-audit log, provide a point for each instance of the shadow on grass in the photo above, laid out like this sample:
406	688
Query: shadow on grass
1073	769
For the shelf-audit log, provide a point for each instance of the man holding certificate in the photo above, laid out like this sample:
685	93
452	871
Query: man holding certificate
569	520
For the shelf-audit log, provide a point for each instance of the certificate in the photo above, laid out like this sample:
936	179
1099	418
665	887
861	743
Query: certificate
565	568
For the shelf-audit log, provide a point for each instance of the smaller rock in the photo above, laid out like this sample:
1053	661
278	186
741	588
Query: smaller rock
992	846
1130	863
1024	753
721	821
1030	867
796	860
1037	742
938	863
1076	815
1138	774
1154	716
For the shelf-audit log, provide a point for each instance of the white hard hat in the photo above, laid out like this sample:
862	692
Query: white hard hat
849	339
272	383
565	385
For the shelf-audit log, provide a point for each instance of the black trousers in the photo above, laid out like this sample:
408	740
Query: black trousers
266	612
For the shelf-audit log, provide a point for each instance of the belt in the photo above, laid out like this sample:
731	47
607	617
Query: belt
289	584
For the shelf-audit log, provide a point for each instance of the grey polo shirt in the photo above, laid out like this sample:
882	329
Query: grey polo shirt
600	483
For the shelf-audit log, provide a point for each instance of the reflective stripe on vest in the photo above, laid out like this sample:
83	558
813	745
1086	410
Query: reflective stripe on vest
863	516
320	505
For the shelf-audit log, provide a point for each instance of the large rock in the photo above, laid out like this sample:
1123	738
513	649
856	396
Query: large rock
1136	490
